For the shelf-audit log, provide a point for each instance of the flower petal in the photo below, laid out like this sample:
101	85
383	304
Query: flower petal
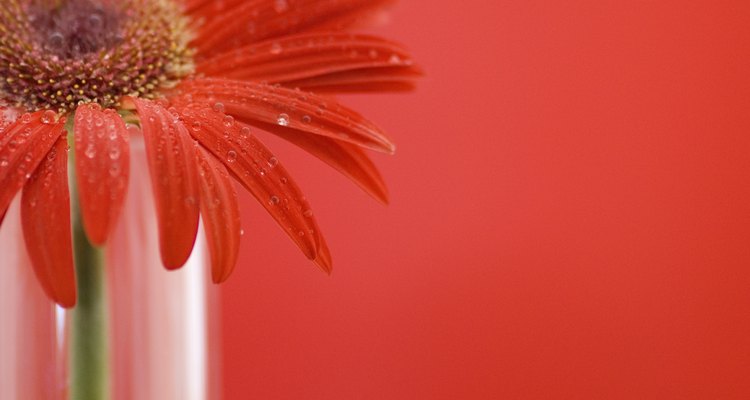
171	161
221	214
301	111
348	159
309	56
23	145
45	213
235	23
102	168
256	168
389	79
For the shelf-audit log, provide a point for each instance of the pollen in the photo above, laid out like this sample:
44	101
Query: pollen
57	54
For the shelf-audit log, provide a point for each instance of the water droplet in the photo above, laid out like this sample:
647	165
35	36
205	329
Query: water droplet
283	119
308	213
244	132
219	107
306	119
228	120
55	40
274	200
114	153
90	151
48	117
231	156
273	162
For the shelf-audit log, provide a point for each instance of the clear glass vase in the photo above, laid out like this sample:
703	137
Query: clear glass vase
32	343
164	324
162	327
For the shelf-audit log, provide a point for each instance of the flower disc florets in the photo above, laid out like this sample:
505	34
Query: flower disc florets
57	54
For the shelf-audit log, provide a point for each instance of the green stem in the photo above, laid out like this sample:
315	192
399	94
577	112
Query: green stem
89	355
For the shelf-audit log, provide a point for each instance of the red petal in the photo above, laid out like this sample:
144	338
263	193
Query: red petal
171	161
236	23
306	112
348	159
305	57
391	79
221	214
261	174
23	145
102	168
45	213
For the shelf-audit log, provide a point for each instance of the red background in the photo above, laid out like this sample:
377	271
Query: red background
569	218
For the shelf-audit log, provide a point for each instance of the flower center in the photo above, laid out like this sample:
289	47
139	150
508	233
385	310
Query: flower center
57	54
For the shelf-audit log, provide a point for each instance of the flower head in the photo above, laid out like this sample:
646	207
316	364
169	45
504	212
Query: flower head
194	79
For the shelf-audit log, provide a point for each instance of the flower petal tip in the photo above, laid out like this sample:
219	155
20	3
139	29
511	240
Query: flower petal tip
323	258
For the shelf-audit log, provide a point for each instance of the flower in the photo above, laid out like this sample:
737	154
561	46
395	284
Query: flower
194	79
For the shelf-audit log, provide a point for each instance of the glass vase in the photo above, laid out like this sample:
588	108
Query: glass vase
161	327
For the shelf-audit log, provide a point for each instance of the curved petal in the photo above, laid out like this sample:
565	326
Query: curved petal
45	213
221	214
102	168
235	23
309	56
260	172
301	111
23	145
171	161
346	158
383	79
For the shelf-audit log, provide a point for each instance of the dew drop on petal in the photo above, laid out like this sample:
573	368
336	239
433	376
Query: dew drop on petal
48	117
90	151
283	119
228	120
274	200
306	119
231	156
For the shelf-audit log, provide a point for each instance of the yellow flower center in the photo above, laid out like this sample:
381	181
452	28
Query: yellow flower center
57	54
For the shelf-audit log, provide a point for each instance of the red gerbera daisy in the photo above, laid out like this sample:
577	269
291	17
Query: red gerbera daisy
190	77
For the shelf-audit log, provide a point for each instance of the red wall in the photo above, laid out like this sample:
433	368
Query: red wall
570	218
